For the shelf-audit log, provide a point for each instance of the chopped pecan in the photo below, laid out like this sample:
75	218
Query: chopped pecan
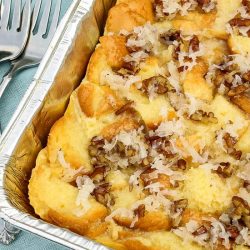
124	108
205	117
201	230
162	145
240	22
203	2
101	193
176	52
225	170
99	174
233	231
169	37
140	211
156	84
229	140
96	144
236	154
179	205
246	185
230	143
246	76
145	176
246	3
181	164
194	44
130	67
241	206
237	90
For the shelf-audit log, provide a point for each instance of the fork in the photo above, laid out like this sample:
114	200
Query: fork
38	42
13	37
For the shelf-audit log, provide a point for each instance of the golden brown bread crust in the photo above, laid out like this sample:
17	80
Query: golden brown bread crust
95	100
52	204
115	49
130	14
102	111
242	101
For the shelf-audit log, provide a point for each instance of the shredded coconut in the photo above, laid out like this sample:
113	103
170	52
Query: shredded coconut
134	178
190	149
174	78
232	129
242	61
131	139
86	187
171	8
118	82
186	233
146	37
168	128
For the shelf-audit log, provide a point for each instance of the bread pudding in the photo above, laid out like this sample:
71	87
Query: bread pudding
153	151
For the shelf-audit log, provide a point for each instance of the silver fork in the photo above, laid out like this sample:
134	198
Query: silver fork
37	43
13	37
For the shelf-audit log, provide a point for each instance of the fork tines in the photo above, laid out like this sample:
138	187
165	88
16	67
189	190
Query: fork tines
20	16
44	22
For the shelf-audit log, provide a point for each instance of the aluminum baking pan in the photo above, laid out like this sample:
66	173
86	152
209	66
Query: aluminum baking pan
58	75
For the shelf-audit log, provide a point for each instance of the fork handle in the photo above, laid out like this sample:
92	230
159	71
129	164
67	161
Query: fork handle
8	76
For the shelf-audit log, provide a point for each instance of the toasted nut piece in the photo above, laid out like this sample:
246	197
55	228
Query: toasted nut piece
203	2
204	117
237	90
130	67
157	84
101	193
179	205
181	163
241	206
140	211
239	22
229	140
236	154
194	43
246	76
224	170
169	37
246	185
98	174
200	230
246	3
233	231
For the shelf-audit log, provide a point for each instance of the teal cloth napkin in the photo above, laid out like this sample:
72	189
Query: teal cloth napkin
8	105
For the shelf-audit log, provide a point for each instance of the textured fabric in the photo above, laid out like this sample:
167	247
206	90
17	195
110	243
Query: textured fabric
8	105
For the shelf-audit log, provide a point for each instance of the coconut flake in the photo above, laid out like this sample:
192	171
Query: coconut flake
172	8
134	178
168	128
242	61
196	157
232	129
133	139
85	186
174	78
